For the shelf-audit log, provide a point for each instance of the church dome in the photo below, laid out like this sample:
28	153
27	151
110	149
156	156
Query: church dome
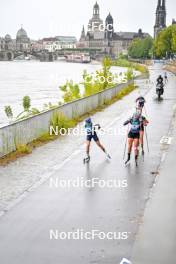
96	6
21	33
8	37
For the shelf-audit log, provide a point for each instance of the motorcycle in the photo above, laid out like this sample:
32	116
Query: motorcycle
159	90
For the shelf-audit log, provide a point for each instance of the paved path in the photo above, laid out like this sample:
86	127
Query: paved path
156	241
25	228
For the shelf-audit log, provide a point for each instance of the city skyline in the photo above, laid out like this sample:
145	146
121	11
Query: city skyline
65	21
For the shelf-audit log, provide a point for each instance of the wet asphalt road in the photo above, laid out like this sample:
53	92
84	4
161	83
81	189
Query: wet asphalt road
25	229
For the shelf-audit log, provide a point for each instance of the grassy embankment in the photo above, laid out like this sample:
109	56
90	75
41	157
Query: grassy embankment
136	66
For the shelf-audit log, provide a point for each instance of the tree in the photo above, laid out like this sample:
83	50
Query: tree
101	80
165	43
141	48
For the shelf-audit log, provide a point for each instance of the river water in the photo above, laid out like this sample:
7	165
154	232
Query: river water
38	80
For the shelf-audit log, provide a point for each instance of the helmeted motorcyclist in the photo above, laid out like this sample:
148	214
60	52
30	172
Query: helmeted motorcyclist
160	83
160	79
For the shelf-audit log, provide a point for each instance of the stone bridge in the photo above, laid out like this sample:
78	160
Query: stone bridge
6	55
9	55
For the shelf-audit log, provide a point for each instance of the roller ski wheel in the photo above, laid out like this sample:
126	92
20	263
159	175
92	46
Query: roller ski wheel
86	160
143	154
108	157
136	162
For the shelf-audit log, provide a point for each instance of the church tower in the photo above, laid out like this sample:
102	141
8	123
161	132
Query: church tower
109	28
83	34
160	22
95	23
109	34
96	11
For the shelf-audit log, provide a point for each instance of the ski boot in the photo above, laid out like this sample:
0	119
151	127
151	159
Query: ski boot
136	161
128	159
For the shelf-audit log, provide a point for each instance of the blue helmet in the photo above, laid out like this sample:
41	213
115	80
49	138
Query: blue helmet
88	120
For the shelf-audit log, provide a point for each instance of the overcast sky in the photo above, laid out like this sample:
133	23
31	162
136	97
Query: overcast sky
44	18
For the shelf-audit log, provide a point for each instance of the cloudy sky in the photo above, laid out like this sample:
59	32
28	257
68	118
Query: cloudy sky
43	18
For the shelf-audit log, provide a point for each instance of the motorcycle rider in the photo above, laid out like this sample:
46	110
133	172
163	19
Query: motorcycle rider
160	79
160	83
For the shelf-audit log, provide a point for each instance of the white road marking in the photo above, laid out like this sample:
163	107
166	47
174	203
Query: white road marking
125	261
165	140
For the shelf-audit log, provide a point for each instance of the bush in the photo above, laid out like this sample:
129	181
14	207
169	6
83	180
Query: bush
24	149
71	91
8	111
59	120
125	63
26	103
125	91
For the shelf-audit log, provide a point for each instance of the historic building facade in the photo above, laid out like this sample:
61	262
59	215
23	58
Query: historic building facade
102	36
21	43
58	43
6	43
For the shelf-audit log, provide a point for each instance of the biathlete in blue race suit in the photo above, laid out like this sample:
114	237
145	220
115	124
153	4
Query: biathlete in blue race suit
137	122
92	134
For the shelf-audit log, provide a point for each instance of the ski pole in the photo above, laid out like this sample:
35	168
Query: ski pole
147	139
145	110
125	143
